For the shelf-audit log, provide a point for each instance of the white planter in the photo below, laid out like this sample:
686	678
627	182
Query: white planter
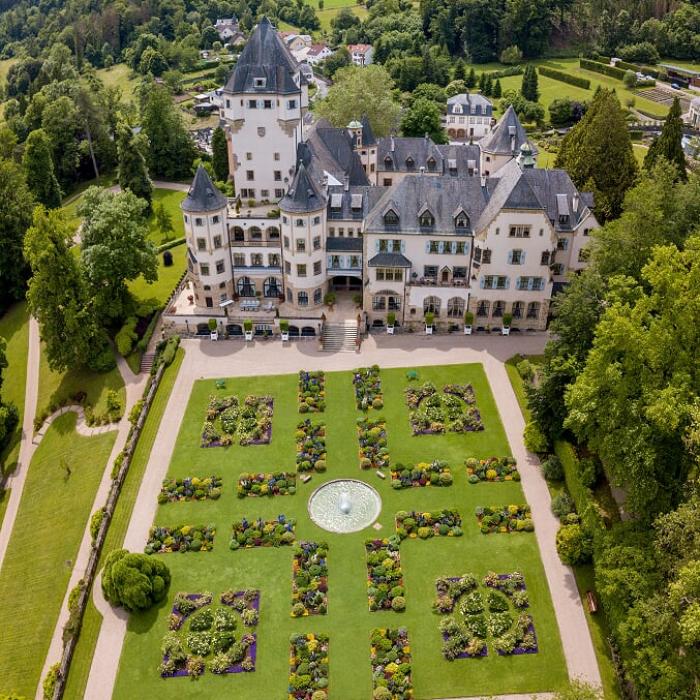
214	335
467	330
390	330
285	337
505	330
248	335
428	330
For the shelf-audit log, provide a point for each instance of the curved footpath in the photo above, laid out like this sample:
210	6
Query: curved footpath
212	360
134	385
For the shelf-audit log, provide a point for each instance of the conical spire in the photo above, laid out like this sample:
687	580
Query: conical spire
203	195
507	136
304	194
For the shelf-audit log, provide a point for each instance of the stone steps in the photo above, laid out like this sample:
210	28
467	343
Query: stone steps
147	362
340	337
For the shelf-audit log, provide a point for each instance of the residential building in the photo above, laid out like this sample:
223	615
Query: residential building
468	117
227	28
361	54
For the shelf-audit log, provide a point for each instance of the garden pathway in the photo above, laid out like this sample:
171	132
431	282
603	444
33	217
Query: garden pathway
206	359
134	385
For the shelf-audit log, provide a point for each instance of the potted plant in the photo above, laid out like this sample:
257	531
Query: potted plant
329	299
284	330
507	320
213	333
468	322
248	329
390	322
429	319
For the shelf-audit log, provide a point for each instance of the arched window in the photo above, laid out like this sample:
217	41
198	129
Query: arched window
455	307
410	163
245	287
498	308
238	234
302	298
482	309
391	218
386	300
271	287
517	309
426	219
431	305
533	309
431	164
255	233
388	163
273	233
461	221
318	296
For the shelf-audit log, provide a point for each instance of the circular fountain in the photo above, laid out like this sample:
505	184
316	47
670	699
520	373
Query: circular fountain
344	505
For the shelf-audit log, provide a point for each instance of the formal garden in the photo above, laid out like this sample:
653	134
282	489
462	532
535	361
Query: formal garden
264	603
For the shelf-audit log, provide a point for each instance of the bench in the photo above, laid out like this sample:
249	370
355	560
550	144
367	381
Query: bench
381	474
305	478
592	602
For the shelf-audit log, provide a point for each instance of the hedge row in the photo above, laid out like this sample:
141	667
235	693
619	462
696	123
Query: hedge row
511	70
565	77
647	70
170	244
596	67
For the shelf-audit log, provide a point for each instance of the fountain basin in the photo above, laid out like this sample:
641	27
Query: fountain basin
344	505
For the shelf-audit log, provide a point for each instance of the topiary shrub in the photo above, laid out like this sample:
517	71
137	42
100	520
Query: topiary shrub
562	505
134	581
398	604
574	545
552	469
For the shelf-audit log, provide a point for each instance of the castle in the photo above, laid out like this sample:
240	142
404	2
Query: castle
407	226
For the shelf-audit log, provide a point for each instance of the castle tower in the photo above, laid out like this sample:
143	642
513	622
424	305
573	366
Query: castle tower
503	143
208	260
303	215
365	145
265	101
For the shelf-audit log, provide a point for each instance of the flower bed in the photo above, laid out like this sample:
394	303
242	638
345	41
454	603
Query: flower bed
413	524
190	488
368	388
371	435
437	473
311	446
310	579
262	533
492	469
183	538
308	667
267	484
312	392
227	421
454	410
208	639
384	576
391	663
511	518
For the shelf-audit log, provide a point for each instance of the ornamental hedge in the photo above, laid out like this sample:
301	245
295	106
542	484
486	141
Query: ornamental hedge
602	68
134	581
182	538
414	524
565	77
262	533
391	664
190	488
267	484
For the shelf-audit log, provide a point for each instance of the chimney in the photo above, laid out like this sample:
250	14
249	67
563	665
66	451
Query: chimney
392	144
575	202
483	180
422	169
346	182
512	142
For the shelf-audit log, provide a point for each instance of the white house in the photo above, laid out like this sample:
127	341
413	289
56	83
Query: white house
693	117
227	28
468	117
361	54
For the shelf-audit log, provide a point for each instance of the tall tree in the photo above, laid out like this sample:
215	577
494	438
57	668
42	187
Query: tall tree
16	203
597	153
38	166
357	91
529	89
57	294
9	416
424	117
115	247
219	147
133	171
171	149
470	80
668	145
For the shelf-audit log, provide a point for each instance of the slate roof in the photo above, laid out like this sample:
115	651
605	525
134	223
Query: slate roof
304	195
501	140
367	133
399	149
463	155
203	195
472	104
389	260
264	56
443	196
344	245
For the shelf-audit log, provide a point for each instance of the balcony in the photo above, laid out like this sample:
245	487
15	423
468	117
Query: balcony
268	243
433	282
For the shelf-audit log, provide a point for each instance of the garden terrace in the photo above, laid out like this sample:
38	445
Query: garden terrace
312	392
391	663
311	446
491	469
348	621
384	576
182	538
190	488
446	523
435	473
309	579
267	484
371	434
308	666
454	410
261	533
368	388
511	518
227	421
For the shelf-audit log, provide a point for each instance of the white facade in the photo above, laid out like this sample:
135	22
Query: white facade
361	54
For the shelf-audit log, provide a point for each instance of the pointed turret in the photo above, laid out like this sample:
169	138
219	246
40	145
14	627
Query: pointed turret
507	136
526	159
304	195
203	196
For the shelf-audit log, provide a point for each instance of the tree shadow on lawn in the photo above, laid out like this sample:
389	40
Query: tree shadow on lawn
142	622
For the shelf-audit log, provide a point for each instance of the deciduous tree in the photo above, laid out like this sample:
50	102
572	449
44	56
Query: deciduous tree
424	117
133	170
219	147
38	166
134	581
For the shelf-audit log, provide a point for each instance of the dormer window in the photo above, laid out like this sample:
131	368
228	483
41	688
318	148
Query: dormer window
391	218
461	221
458	109
410	163
388	163
431	164
259	82
426	219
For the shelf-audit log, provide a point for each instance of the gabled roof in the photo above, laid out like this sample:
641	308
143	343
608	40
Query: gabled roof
471	103
367	133
203	195
507	137
344	245
265	56
304	195
522	196
400	149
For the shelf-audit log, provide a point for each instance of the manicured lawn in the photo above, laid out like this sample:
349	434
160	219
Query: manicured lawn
168	277
50	523
54	387
14	328
170	199
639	153
119	75
349	621
331	9
92	621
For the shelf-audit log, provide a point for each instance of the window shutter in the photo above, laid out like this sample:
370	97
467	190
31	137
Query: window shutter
510	257
482	282
507	282
376	246
427	246
517	283
522	257
453	246
403	246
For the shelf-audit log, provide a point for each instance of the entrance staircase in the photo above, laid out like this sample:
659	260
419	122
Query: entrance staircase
340	337
147	362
